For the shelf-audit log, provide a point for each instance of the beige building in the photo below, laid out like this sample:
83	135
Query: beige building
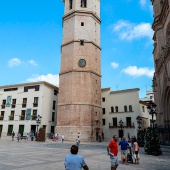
123	105
161	52
79	102
22	103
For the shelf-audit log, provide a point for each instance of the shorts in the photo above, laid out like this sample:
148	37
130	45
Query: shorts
114	160
124	153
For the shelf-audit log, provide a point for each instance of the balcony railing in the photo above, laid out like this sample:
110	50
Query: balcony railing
24	105
35	104
111	125
34	117
1	118
22	117
11	117
3	106
128	125
12	105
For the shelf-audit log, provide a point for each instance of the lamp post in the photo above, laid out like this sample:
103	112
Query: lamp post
38	121
152	110
139	121
121	127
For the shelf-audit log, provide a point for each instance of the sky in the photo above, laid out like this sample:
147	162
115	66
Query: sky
31	37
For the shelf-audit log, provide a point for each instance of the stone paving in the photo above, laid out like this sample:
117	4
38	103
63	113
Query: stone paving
50	155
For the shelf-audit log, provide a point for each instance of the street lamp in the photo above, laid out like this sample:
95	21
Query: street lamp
152	110
139	121
121	127
38	121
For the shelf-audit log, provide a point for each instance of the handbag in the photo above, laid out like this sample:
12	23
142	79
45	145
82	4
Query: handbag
138	148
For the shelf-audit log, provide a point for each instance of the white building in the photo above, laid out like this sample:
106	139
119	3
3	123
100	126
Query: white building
122	105
22	103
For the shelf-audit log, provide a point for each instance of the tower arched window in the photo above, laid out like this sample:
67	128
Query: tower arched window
130	108
117	109
125	108
83	3
70	4
112	109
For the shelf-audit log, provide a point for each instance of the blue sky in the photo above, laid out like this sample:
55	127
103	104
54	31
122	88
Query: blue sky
31	36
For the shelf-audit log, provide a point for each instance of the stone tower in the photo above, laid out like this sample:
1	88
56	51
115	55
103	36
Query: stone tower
161	53
79	102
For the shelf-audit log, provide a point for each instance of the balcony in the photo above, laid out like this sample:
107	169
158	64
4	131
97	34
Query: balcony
24	105
35	104
129	125
3	106
11	117
111	125
12	105
1	118
22	117
34	117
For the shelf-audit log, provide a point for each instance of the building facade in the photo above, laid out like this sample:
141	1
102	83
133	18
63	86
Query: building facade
22	103
79	102
161	53
123	106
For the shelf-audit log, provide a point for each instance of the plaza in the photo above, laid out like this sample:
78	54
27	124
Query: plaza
32	155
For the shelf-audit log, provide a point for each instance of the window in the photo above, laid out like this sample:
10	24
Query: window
24	102
130	108
151	97
37	87
2	115
3	104
11	89
81	42
55	92
54	103
11	117
70	4
143	108
115	121
117	109
128	121
103	99
82	23
13	101
125	108
104	122
83	3
112	109
104	111
35	104
34	115
53	116
22	115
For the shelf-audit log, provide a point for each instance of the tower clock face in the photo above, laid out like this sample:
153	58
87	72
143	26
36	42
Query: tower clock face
82	63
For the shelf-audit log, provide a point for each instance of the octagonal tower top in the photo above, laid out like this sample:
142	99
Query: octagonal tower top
85	5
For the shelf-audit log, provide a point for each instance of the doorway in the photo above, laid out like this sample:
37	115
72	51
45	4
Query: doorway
21	129
52	129
33	128
10	129
121	134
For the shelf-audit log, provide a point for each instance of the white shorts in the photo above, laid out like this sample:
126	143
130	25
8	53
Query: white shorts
114	160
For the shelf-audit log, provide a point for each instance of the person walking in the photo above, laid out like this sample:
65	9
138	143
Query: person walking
136	151
56	137
112	150
27	137
78	141
18	136
13	135
124	144
62	138
74	161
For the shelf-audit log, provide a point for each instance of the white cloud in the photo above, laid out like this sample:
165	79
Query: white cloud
51	78
115	65
130	31
32	62
142	2
138	72
14	62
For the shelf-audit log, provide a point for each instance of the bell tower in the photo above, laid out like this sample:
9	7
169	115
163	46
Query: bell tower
79	102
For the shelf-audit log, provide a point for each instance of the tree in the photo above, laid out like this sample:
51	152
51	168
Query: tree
152	144
140	138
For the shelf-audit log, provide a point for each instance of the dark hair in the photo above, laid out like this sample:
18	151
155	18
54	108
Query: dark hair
134	140
74	149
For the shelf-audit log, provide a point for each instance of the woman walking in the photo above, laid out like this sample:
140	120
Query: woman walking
136	151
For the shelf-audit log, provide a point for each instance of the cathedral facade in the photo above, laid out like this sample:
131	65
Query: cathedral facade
79	102
161	52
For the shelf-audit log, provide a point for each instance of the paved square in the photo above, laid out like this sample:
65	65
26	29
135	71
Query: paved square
50	155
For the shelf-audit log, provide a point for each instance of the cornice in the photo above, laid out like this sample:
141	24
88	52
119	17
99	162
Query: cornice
81	12
159	21
85	41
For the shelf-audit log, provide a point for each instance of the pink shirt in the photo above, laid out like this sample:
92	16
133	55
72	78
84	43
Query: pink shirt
135	146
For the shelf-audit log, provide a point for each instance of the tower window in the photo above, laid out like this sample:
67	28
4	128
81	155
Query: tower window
82	23
83	3
70	4
81	42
